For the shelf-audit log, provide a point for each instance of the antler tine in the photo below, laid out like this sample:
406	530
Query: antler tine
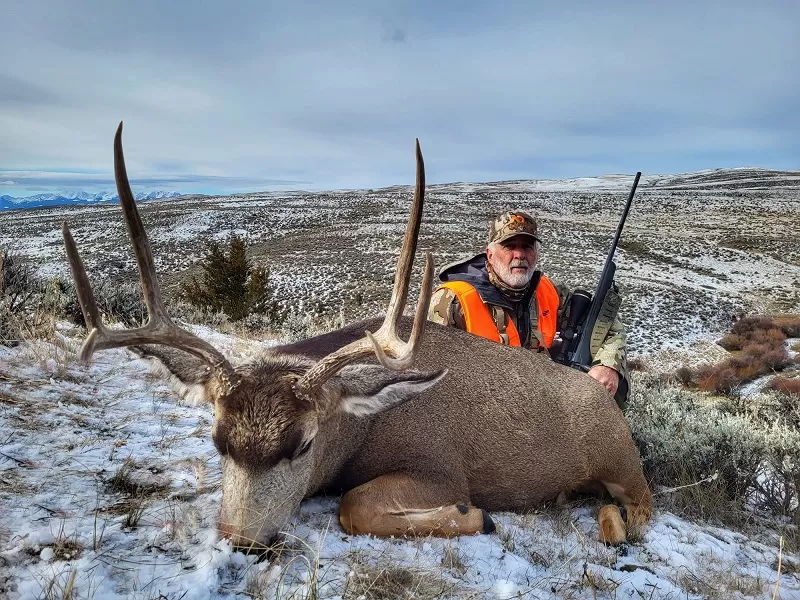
406	353
159	328
385	340
406	259
139	240
94	324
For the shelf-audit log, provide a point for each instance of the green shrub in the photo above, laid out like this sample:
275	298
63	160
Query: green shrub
230	284
753	446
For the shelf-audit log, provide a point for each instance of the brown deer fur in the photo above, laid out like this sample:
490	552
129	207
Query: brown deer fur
522	431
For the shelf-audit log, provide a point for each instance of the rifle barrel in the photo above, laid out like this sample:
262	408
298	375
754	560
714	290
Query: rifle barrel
614	243
582	356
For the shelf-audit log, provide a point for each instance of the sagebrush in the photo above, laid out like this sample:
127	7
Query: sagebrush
748	451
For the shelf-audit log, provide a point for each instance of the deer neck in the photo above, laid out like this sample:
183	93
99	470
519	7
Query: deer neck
338	439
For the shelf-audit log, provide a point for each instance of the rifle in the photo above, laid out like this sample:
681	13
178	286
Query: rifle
574	347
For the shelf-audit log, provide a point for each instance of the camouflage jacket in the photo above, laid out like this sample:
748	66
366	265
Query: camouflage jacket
607	339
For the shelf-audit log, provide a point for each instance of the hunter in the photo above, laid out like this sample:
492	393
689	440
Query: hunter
501	295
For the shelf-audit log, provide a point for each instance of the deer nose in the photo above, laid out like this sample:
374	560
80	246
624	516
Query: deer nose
247	546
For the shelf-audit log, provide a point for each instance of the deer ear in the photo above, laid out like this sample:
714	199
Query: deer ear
186	373
369	389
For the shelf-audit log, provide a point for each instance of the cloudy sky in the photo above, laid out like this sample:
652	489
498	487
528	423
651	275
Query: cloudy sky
257	95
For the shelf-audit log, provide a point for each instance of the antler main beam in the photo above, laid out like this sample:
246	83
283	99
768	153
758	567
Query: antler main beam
159	328
385	343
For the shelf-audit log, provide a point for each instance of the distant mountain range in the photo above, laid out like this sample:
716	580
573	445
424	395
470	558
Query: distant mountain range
9	202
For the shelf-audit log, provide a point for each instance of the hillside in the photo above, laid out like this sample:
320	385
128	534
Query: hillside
111	486
697	249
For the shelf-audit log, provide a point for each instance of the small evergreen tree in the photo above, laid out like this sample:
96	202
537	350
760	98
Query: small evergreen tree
230	283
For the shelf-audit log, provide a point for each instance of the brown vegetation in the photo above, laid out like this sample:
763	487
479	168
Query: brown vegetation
786	385
637	364
758	347
789	324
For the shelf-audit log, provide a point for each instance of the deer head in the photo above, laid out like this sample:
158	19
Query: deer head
268	413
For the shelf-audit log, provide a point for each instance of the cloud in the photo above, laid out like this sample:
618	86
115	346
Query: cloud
334	96
16	92
41	181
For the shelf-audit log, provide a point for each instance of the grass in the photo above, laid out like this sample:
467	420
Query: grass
372	579
454	559
60	585
138	491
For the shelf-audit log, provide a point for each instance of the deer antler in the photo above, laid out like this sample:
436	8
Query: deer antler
159	328
386	341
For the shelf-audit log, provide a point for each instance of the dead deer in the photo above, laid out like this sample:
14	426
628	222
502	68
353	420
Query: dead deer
478	427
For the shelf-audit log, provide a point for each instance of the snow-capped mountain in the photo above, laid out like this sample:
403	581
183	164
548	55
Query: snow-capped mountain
9	202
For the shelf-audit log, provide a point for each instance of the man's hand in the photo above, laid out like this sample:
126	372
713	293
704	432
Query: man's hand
607	376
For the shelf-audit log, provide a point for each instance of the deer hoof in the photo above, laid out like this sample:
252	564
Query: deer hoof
612	527
488	523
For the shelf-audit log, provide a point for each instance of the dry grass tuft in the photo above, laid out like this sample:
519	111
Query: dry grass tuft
138	489
786	385
390	582
67	549
129	480
453	559
60	586
597	583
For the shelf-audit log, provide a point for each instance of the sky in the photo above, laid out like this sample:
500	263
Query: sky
259	95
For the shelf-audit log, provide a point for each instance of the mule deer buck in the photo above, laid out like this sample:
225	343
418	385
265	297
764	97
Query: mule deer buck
479	427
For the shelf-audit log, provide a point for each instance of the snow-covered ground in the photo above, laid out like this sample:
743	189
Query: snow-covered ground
110	487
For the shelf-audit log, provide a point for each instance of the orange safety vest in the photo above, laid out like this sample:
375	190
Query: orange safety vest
479	319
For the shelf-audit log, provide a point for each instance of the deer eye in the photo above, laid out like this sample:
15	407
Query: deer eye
302	448
296	444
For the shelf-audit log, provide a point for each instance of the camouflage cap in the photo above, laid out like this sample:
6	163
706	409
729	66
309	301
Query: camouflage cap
512	223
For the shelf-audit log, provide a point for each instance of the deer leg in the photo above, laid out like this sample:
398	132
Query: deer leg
401	504
637	502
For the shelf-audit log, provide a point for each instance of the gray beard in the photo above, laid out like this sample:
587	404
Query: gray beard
514	294
516	281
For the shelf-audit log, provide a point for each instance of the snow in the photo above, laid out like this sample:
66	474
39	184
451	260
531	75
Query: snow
66	430
9	202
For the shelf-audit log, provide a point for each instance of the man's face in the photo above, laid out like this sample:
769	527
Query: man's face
514	260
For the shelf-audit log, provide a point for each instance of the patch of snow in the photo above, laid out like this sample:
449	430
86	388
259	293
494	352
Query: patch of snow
70	429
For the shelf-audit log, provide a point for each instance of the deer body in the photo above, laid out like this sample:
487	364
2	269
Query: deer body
475	444
501	451
475	426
